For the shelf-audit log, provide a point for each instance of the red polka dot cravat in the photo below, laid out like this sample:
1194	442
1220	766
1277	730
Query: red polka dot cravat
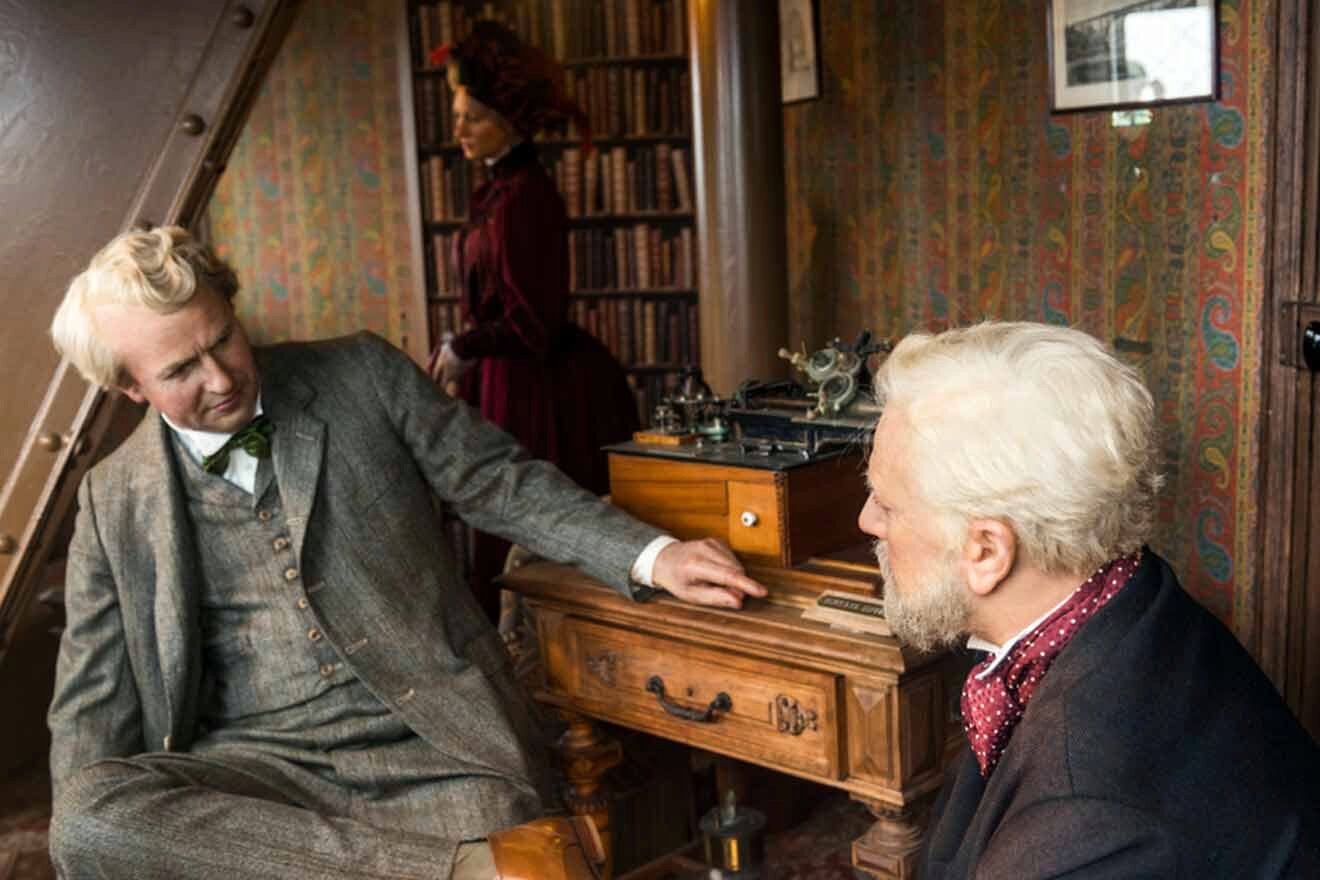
993	700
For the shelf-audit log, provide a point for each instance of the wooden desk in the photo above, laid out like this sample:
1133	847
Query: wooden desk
761	685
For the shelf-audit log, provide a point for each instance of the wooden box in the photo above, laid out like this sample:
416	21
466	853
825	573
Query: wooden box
777	513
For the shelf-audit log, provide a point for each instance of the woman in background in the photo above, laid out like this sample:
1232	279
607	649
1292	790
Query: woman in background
521	361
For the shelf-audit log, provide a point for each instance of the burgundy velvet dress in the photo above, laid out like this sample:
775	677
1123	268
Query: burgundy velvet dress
538	375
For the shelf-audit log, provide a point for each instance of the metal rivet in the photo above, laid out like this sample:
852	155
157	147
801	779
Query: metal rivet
314	634
51	441
192	124
242	17
7	545
290	574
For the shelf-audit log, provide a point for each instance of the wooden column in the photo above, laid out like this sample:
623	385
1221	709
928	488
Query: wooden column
739	163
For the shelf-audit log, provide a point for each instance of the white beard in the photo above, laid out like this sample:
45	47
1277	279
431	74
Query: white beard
930	614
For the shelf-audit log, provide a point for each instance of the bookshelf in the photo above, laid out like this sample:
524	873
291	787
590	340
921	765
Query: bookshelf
632	233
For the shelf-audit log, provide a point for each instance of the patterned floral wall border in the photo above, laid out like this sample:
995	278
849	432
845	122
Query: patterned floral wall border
312	209
930	186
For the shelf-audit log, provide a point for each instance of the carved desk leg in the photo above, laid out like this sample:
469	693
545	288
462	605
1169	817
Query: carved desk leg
587	755
891	847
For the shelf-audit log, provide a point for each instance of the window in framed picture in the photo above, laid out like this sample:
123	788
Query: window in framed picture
1131	53
799	65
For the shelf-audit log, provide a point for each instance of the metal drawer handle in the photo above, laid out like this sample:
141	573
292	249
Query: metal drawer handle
722	703
749	518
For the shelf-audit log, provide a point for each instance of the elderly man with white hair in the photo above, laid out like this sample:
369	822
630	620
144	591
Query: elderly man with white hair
1114	727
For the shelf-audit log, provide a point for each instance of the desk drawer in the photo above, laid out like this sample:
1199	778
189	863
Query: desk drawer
785	715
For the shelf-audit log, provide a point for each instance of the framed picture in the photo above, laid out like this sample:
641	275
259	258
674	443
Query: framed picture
1116	54
799	70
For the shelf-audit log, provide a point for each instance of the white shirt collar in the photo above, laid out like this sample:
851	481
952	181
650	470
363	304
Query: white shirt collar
976	643
204	443
509	148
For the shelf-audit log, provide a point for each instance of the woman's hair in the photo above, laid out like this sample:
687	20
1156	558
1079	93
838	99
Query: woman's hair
157	269
1038	425
521	83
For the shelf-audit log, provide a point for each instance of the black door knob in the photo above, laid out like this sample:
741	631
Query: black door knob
1311	346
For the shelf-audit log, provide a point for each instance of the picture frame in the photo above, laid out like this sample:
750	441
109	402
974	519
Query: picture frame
799	44
1124	54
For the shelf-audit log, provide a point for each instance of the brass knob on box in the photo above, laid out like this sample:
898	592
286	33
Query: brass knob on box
51	441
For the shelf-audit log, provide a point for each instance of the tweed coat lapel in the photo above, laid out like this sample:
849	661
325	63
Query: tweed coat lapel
164	563
297	451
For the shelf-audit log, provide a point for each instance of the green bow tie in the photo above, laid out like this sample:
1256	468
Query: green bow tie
254	439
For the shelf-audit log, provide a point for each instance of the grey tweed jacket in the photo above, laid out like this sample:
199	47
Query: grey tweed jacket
363	440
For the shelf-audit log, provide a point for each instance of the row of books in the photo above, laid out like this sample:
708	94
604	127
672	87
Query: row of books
633	101
611	28
568	29
607	183
447	187
620	181
640	257
619	102
640	332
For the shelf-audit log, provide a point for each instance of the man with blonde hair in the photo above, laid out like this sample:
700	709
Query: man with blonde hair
1115	728
271	668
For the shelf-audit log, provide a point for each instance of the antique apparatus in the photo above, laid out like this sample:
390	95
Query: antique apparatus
832	414
825	415
694	413
775	471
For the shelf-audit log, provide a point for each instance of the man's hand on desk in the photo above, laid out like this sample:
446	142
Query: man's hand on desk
704	572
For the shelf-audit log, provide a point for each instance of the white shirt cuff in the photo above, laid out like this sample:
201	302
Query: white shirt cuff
643	566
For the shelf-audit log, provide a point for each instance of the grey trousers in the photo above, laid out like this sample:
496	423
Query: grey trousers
226	815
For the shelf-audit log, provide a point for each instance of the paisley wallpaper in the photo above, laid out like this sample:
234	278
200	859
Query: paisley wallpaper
312	209
929	185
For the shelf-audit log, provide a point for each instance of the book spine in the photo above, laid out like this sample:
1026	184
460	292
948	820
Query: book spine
642	254
633	24
559	28
622	204
625	332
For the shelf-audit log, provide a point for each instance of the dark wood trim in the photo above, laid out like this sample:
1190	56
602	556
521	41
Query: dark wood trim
1275	625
